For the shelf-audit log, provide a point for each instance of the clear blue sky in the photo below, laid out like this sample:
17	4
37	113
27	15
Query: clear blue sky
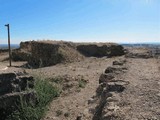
81	20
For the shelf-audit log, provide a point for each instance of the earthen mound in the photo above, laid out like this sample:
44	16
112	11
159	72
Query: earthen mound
46	53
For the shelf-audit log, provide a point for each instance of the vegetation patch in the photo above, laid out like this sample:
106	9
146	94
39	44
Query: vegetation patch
82	83
46	92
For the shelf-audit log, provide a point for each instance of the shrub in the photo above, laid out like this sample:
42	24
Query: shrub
82	83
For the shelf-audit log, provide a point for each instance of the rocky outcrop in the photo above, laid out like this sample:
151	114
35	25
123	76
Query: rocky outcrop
101	49
46	53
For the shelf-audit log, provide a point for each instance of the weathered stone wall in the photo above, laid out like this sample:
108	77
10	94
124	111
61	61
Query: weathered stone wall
46	53
13	86
11	82
100	50
109	86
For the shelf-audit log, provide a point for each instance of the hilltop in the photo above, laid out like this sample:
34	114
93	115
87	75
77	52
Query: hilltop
109	87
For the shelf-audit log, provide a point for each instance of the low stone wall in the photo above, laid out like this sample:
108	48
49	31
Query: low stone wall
109	86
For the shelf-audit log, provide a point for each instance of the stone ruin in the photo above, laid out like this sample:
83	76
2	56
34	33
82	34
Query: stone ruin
47	53
15	87
101	49
101	104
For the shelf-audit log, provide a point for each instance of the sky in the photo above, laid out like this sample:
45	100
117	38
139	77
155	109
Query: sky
121	21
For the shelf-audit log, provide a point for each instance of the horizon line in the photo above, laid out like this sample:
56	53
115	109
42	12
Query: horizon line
94	42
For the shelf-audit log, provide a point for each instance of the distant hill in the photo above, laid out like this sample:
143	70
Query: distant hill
141	44
154	47
5	46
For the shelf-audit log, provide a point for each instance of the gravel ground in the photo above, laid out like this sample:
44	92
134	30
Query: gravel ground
141	99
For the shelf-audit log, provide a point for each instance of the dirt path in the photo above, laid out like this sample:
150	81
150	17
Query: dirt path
70	106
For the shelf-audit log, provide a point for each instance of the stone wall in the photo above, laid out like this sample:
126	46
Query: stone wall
13	86
46	53
100	50
109	87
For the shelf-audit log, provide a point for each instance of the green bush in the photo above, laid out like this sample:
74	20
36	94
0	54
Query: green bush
82	83
45	94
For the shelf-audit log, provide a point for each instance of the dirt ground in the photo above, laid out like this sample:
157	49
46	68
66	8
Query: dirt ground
139	101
